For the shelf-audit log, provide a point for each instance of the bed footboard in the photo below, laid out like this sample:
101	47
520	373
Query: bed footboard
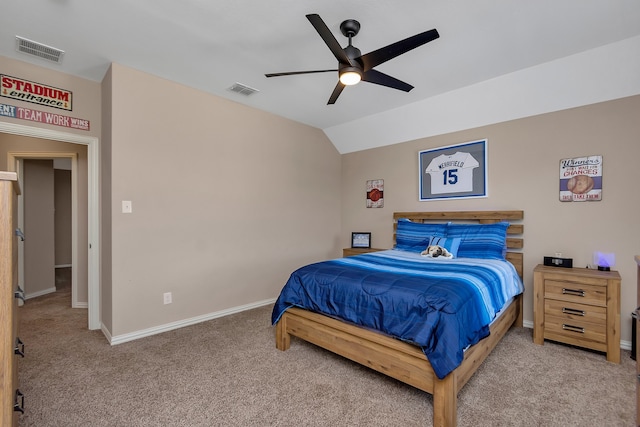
397	359
390	356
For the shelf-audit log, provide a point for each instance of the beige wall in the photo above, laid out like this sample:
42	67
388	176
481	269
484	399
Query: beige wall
523	173
106	294
227	201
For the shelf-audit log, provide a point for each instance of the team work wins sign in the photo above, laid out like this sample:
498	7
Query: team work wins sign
54	119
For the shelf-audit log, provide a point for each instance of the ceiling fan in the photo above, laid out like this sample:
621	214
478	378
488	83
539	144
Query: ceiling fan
352	65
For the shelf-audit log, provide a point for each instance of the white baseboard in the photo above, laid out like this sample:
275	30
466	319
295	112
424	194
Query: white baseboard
40	293
119	339
106	332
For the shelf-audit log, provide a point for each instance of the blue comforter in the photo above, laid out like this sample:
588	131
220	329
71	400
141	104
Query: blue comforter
441	305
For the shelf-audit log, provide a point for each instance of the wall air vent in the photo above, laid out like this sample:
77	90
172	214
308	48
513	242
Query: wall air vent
38	49
243	89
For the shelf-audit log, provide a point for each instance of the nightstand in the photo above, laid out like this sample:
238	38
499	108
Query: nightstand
577	306
357	251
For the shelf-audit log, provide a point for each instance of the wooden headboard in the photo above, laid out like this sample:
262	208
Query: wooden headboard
515	241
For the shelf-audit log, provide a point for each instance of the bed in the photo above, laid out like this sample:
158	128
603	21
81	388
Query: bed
405	359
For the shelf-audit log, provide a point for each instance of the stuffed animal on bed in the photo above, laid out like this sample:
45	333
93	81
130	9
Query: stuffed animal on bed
435	251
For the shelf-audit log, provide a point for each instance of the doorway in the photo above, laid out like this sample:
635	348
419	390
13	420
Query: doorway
93	244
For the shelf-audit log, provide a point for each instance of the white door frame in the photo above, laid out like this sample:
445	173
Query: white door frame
93	160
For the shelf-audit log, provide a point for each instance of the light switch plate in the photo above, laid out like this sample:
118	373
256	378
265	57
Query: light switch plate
126	206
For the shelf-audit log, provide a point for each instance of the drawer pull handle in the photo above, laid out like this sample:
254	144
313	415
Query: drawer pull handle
574	292
573	328
573	311
18	403
19	348
19	294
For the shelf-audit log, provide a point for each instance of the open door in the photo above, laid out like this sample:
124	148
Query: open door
38	210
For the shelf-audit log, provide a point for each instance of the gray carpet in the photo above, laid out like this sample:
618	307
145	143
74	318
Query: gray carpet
227	372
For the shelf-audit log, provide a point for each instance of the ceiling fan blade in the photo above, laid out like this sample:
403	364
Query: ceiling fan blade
291	73
328	38
336	93
386	53
374	76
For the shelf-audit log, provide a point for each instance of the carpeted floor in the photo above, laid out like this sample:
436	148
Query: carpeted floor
227	372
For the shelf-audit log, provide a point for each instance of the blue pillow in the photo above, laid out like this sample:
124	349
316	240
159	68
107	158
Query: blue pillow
415	236
452	244
480	240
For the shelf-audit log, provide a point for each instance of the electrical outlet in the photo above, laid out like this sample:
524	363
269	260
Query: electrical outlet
558	254
167	298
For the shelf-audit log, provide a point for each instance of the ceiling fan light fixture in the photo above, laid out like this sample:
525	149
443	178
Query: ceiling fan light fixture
353	66
350	76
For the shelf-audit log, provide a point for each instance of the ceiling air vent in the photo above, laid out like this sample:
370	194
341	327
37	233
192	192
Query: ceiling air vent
243	89
38	49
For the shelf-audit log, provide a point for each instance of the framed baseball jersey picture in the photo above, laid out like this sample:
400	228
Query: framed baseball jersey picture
454	172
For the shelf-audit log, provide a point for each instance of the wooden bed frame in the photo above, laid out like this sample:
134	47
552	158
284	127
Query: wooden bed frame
399	359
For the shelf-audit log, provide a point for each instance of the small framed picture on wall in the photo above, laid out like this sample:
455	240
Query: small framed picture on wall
360	240
375	193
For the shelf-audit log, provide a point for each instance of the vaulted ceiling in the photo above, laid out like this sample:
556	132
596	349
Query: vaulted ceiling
211	45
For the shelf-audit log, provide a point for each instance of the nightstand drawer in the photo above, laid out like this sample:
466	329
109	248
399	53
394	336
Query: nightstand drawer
576	312
584	334
580	293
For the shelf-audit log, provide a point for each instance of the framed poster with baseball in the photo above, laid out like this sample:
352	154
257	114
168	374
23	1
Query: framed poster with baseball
453	172
581	179
375	193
